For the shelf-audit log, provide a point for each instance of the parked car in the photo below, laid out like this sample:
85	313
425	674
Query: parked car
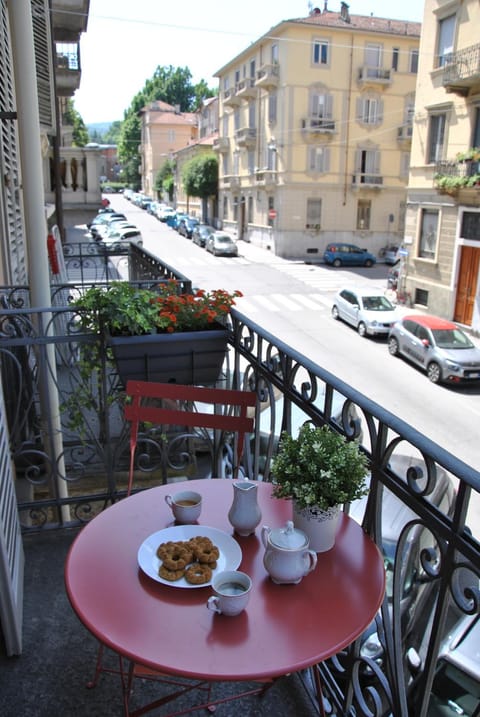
201	233
438	346
219	243
122	236
187	225
339	254
103	219
370	312
390	255
175	220
114	228
456	686
164	212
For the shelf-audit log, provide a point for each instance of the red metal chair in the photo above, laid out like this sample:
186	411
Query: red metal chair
175	410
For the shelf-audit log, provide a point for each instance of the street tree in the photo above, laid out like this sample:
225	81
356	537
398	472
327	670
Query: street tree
200	178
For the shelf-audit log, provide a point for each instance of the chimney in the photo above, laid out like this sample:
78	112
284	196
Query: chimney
344	14
325	8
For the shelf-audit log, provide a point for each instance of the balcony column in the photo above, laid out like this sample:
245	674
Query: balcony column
23	53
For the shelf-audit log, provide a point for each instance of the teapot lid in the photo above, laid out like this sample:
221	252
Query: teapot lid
288	537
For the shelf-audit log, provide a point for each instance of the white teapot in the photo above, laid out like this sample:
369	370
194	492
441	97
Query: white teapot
287	557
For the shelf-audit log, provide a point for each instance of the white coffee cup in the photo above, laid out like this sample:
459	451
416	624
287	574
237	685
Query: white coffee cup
231	592
186	506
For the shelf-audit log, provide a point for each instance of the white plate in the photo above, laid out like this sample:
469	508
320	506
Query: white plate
229	559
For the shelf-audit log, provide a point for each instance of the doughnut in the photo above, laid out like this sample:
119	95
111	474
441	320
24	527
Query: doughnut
177	558
171	575
198	573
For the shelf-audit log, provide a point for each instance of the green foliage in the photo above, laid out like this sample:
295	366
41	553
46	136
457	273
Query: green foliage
165	179
451	184
73	118
200	176
319	467
122	309
472	154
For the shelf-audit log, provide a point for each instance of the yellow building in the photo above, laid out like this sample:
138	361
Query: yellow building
164	129
443	216
315	123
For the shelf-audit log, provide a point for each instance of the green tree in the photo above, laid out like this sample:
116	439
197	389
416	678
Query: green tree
165	179
73	118
200	177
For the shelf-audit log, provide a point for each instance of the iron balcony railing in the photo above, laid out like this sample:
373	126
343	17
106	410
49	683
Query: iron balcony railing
67	474
461	69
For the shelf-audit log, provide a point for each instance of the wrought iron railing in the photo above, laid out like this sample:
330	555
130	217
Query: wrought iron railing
69	471
461	66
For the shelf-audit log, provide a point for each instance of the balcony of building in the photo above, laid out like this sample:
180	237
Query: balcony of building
230	97
461	175
78	175
377	77
62	487
266	178
313	127
67	68
221	144
231	181
69	19
246	89
246	137
404	135
362	180
461	70
268	76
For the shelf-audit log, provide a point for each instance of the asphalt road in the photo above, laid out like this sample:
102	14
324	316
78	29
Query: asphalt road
293	300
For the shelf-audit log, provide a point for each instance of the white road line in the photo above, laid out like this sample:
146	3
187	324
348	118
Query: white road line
266	302
286	301
307	302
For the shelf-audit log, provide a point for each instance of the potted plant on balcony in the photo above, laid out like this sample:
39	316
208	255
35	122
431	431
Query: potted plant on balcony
159	334
319	471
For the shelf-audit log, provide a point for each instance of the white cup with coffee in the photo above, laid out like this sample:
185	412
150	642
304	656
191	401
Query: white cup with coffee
186	506
231	592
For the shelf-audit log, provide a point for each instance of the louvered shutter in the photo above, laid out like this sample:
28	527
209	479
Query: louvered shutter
328	106
43	63
379	111
359	109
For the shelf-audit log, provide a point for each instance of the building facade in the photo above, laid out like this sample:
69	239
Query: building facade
164	129
443	216
315	123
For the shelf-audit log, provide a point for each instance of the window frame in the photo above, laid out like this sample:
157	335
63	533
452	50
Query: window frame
413	57
313	213
436	149
422	252
321	52
443	52
364	214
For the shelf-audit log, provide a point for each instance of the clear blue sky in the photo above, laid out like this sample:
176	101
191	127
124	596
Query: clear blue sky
127	39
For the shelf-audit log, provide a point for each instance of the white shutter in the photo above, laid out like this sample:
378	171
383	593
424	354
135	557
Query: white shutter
43	63
328	106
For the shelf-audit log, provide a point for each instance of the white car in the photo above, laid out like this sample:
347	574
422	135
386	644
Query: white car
123	236
163	212
367	310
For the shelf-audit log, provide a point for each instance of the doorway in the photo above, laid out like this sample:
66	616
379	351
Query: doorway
467	285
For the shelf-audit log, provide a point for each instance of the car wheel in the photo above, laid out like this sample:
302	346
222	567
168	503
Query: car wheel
369	263
434	372
337	262
393	346
362	329
335	313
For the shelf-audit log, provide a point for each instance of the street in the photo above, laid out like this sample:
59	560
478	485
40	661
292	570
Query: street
293	301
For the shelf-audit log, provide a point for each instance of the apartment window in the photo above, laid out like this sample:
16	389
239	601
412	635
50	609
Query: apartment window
272	107
364	210
274	54
369	110
237	77
470	226
413	61
402	213
171	136
476	129
367	166
236	163
321	105
225	165
436	137
446	36
251	161
252	69
395	56
404	164
271	206
252	115
319	159
320	52
250	210
428	233
314	213
373	55
271	159
226	83
225	126
236	119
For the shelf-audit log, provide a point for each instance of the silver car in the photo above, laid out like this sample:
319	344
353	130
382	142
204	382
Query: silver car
370	312
438	346
220	243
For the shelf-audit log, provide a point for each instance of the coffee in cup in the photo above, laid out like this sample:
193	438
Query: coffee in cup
231	592
186	506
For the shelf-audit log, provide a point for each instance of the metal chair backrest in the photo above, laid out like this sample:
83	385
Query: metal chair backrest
171	412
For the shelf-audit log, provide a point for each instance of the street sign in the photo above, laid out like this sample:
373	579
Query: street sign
272	213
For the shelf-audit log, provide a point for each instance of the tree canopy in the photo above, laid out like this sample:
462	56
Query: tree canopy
200	176
72	117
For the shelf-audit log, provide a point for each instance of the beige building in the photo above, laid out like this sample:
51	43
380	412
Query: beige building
164	130
443	217
315	122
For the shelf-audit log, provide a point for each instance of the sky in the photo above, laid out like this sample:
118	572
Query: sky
126	40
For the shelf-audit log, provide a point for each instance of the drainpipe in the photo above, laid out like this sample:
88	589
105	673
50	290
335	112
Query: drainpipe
20	18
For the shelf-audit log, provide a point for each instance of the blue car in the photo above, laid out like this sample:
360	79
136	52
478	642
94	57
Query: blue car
347	255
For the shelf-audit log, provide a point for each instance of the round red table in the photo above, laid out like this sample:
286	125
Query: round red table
285	628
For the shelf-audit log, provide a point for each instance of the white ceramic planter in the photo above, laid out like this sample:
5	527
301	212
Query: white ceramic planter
319	525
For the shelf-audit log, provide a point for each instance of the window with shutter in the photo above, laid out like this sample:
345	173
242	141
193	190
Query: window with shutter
43	63
445	39
314	213
319	159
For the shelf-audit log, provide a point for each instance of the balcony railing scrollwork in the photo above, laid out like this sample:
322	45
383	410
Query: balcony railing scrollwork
405	467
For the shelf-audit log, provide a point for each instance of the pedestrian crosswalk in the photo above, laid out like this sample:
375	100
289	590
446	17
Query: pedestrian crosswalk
278	303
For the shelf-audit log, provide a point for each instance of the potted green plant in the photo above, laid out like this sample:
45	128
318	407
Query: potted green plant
159	334
319	471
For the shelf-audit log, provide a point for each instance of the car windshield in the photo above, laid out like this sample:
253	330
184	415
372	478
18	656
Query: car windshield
223	240
451	339
377	303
